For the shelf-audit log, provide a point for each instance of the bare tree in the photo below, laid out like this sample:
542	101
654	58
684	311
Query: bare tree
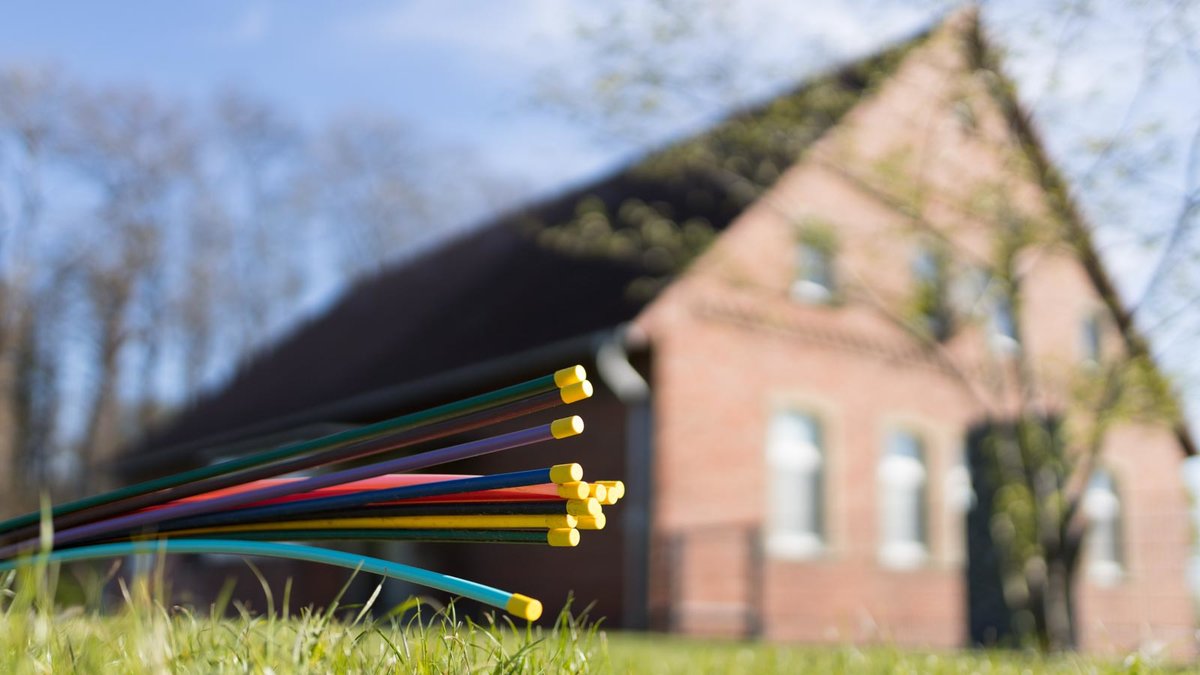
255	160
369	178
131	149
30	110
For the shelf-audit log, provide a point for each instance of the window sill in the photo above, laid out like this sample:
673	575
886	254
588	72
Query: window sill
1105	574
811	293
904	557
795	547
1004	345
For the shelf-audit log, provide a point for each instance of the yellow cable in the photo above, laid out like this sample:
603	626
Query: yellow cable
518	522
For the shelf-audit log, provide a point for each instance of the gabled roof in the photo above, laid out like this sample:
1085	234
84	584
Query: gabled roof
588	259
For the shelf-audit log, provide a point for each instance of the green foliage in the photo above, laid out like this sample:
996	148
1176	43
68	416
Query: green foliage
821	235
675	200
638	233
1126	389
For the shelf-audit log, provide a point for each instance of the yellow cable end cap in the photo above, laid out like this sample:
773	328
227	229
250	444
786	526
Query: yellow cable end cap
567	427
566	473
559	520
576	392
573	490
569	376
523	606
614	486
609	499
563	537
583	507
597	491
596	522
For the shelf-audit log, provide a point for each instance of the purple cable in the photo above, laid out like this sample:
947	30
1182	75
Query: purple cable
422	460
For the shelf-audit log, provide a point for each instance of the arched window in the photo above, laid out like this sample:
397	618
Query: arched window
902	501
1104	544
796	477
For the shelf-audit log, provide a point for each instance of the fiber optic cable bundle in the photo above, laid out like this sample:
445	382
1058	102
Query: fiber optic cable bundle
243	507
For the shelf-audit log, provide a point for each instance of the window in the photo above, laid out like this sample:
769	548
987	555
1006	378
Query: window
902	501
1102	506
959	490
931	273
816	280
796	476
1092	338
1003	324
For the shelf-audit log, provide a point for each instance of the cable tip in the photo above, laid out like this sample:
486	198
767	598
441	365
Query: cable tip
616	489
576	392
597	491
584	507
523	606
567	427
596	522
573	490
566	473
569	376
566	537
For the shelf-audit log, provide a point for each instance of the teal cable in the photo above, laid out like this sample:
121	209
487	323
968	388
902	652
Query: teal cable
534	386
514	603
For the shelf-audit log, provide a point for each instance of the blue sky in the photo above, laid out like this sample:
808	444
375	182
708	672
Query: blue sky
456	70
460	71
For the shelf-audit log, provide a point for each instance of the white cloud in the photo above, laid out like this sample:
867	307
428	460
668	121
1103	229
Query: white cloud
516	30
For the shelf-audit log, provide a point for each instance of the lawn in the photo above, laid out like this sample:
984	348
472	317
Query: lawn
141	635
152	640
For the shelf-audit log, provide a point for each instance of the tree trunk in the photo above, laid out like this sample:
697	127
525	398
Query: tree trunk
101	436
1058	606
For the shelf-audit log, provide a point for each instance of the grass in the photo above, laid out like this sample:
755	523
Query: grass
668	655
141	635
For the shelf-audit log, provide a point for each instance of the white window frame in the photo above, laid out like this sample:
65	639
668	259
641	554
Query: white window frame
1105	548
904	513
797	476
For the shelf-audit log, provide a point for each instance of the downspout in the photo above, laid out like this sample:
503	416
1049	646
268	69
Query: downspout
619	375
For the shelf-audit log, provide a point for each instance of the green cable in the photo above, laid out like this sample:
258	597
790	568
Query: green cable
436	414
514	603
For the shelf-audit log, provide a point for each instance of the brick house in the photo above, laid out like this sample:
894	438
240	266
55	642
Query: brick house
797	456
